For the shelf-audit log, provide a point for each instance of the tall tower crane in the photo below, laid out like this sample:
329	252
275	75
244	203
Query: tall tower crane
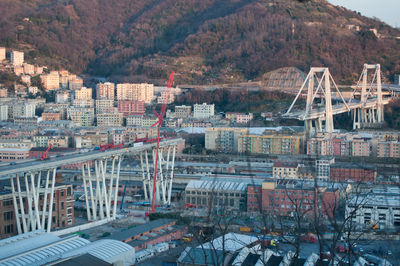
160	119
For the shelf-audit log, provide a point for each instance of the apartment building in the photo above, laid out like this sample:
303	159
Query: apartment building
254	198
62	96
270	144
83	93
85	103
21	109
135	92
109	119
3	92
51	116
2	54
230	196
166	98
134	120
203	110
287	170
128	108
223	139
17	58
51	81
105	91
75	84
388	149
361	147
105	106
62	215
240	118
3	112
81	116
29	69
183	111
148	121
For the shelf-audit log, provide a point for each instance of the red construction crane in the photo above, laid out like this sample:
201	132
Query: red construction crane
45	154
160	119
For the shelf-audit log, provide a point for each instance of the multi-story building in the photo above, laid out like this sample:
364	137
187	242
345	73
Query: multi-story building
223	139
58	141
3	92
105	91
62	215
240	118
230	196
62	96
75	84
378	207
135	92
286	170
183	111
51	81
164	98
29	69
3	112
203	110
21	109
148	121
360	147
270	144
2	54
17	58
86	103
388	149
128	108
254	198
109	120
133	133
41	140
83	93
285	199
105	106
51	116
81	116
134	120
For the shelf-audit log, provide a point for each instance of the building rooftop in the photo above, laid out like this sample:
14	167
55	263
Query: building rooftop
216	185
135	231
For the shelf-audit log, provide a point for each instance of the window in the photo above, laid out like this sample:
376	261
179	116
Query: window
62	193
9	228
62	205
8	215
7	202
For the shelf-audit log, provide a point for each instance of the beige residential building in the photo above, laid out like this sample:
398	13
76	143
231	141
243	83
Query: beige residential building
105	106
62	96
59	141
75	84
16	143
105	91
287	170
109	120
86	103
3	92
183	111
83	93
203	110
360	147
29	69
17	58
81	116
51	81
2	53
148	121
134	120
224	139
135	92
269	144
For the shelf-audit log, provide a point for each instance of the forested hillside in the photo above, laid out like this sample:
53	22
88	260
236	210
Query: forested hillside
205	41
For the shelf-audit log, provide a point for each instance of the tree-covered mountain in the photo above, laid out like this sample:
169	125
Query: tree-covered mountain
204	41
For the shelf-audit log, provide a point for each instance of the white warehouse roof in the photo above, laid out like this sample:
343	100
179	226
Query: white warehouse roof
216	185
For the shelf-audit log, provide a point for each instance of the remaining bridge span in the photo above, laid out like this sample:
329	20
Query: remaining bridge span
366	102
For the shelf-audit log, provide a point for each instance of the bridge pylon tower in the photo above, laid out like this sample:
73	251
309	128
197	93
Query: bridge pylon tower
369	87
317	114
